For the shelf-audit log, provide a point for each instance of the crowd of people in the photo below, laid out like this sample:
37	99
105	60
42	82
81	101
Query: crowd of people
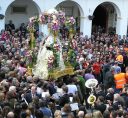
102	57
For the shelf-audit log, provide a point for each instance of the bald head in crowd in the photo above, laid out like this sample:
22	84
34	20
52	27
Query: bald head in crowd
10	115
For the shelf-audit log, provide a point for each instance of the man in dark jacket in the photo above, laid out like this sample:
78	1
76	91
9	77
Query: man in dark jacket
99	105
106	68
65	98
45	110
32	94
109	79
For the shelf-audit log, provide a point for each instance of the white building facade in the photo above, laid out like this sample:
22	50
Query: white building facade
88	13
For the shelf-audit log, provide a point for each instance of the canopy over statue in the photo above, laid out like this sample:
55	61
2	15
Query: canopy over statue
50	55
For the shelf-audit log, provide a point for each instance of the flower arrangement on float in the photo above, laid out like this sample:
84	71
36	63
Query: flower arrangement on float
70	23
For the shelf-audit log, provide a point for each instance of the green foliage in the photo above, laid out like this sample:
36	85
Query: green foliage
72	57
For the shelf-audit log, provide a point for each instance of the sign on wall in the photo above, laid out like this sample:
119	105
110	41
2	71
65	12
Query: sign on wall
19	9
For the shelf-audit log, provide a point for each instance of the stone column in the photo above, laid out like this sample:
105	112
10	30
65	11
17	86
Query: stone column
2	24
40	6
85	26
121	26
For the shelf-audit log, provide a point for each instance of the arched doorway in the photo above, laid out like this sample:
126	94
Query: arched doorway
71	8
105	18
100	18
20	12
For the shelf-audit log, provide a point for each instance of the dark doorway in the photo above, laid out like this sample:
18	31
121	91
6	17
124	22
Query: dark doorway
100	21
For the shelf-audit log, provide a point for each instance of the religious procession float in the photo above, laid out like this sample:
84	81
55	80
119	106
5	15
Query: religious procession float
56	57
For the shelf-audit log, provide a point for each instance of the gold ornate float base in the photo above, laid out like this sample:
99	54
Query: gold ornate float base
57	73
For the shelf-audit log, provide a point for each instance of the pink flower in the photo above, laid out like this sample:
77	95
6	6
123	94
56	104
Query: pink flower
32	19
30	24
55	26
72	20
42	17
56	47
61	17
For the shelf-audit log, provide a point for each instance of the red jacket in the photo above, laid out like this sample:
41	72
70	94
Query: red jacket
96	68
